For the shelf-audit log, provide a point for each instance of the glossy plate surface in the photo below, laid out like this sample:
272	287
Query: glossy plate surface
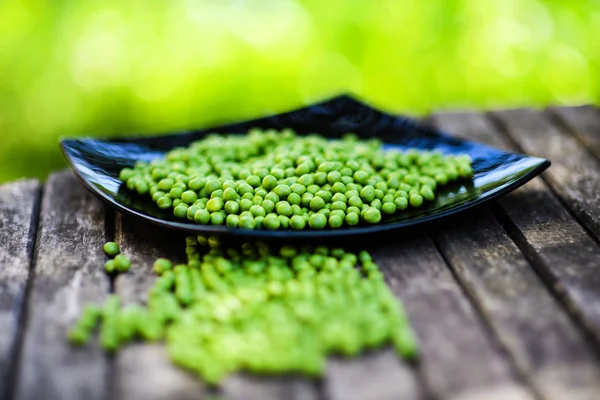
98	162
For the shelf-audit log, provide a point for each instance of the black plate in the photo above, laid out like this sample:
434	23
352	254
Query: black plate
98	162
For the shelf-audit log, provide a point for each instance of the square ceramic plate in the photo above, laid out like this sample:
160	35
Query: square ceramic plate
496	172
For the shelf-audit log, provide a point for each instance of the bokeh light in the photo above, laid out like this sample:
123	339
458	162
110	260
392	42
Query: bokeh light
109	68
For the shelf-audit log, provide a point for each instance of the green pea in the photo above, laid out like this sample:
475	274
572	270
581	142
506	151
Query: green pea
109	266
306	180
312	189
355	201
352	218
246	222
269	182
353	209
271	222
245	204
284	222
212	185
122	263
297	222
317	203
294	199
111	249
109	336
189	197
217	193
320	178
283	191
157	195
196	184
257	211
338	205
230	194
333	177
245	188
232	221
464	170
361	177
231	207
215	204
166	184
284	208
126	173
367	193
441	178
175	193
161	265
427	193
260	193
364	257
388	208
376	203
217	218
191	211
372	215
325	195
416	200
202	217
180	211
338	187
267	205
164	202
335	221
317	221
401	193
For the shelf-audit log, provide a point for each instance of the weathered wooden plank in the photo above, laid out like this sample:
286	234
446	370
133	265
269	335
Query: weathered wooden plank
18	224
143	370
575	173
537	333
583	122
67	273
560	248
159	378
459	359
245	387
379	376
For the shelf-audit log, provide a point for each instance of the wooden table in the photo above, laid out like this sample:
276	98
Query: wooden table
505	299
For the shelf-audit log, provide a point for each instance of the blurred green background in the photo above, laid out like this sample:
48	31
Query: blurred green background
115	67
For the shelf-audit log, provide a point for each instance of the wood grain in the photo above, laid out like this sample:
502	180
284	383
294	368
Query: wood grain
18	224
159	378
530	323
67	273
583	122
575	173
143	370
380	375
459	358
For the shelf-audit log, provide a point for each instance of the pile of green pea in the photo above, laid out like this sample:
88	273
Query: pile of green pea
270	179
260	308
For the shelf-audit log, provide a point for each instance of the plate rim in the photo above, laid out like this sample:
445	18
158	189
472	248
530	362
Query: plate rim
541	165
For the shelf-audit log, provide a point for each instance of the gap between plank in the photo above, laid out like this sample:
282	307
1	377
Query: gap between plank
17	346
559	121
499	125
109	234
520	375
111	361
546	278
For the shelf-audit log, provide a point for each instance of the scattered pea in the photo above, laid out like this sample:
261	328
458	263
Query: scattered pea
122	263
111	249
